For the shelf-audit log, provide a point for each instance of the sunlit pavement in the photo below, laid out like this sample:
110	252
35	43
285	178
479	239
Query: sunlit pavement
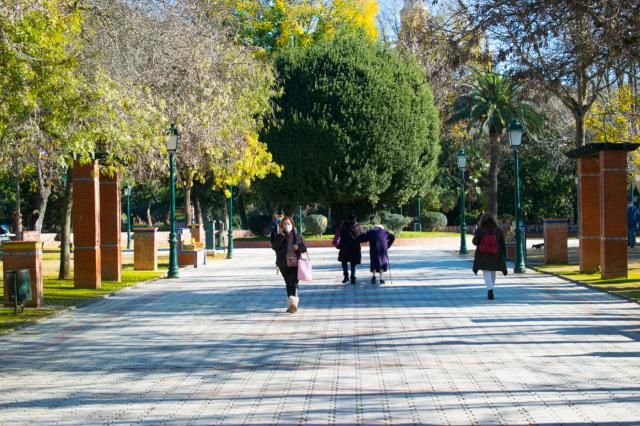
217	347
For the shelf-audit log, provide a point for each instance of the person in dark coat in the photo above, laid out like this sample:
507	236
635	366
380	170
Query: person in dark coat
484	259
289	246
379	242
632	224
350	251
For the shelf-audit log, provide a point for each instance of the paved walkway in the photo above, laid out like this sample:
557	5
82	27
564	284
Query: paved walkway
216	347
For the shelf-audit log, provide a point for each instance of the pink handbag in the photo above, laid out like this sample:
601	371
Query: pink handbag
304	268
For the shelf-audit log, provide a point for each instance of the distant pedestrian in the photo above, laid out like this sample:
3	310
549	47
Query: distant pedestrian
490	253
289	245
350	252
380	240
274	227
633	215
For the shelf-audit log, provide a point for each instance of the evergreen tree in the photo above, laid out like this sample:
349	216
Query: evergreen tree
356	124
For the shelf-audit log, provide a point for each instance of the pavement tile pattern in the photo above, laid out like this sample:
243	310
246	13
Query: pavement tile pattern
216	347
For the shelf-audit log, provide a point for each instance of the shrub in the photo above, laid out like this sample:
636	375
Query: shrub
433	221
394	222
370	220
315	224
258	222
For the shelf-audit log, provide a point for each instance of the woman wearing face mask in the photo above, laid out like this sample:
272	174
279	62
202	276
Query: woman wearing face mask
289	245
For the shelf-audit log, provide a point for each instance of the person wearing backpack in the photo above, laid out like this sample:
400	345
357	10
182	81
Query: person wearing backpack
491	252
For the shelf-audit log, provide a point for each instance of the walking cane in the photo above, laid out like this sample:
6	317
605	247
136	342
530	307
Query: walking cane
389	266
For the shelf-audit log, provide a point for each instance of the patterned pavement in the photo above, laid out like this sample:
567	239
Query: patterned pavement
216	347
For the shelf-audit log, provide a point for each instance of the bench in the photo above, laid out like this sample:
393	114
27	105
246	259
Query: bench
190	254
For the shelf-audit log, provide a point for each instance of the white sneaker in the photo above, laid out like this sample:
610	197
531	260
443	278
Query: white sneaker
290	304
294	304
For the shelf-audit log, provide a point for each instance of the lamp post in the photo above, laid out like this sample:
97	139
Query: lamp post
462	163
515	139
172	145
419	214
127	193
230	234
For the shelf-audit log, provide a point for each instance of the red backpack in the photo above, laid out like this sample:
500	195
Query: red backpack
488	244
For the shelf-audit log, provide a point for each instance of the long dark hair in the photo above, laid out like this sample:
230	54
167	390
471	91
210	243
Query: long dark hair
487	221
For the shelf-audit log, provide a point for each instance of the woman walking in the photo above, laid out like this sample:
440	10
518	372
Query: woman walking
490	253
289	245
350	251
379	242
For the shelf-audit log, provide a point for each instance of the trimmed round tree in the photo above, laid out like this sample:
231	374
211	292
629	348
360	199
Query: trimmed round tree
356	124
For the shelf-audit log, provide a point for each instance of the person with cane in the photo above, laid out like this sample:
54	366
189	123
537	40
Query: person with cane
380	240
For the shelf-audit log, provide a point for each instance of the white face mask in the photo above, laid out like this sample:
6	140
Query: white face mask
288	227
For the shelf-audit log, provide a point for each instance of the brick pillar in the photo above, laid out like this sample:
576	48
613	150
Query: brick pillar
24	255
556	233
613	208
197	231
589	214
145	249
110	249
86	226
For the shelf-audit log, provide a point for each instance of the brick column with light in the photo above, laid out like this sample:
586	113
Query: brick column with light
24	255
110	237
602	170
145	249
613	208
86	226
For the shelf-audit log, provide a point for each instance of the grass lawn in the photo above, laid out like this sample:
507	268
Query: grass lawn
627	287
403	234
60	294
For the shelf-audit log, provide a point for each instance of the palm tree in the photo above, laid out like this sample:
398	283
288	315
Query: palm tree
491	103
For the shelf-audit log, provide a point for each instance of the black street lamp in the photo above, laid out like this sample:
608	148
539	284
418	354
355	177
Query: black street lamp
172	146
515	140
462	163
127	193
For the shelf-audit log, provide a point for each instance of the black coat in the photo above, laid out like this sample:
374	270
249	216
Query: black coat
349	245
279	245
490	262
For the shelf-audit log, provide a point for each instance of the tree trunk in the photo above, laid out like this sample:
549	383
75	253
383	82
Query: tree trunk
17	214
578	116
188	212
148	211
199	212
494	168
64	272
242	211
42	199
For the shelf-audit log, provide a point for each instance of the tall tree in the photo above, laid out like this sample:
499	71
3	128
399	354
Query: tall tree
490	104
184	59
356	124
273	25
571	47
